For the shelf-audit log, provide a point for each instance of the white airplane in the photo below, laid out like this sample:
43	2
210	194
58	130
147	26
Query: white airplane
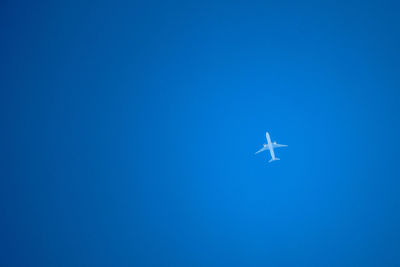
271	147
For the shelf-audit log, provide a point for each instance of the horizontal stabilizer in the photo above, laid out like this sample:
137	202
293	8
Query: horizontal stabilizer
271	160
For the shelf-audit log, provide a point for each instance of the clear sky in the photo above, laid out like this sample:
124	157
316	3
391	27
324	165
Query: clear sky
128	132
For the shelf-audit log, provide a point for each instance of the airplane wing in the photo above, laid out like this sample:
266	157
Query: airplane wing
261	150
278	145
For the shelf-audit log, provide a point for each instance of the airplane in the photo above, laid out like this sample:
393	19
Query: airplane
270	146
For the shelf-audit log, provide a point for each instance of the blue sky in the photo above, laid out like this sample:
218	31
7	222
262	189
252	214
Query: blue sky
129	131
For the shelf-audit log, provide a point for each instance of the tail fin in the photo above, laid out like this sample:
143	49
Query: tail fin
271	160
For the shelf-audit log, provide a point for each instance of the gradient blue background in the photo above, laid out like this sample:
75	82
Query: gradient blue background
128	131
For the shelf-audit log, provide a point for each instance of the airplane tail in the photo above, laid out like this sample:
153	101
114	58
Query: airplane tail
271	160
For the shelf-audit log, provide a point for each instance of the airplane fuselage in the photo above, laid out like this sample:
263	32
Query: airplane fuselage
270	146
